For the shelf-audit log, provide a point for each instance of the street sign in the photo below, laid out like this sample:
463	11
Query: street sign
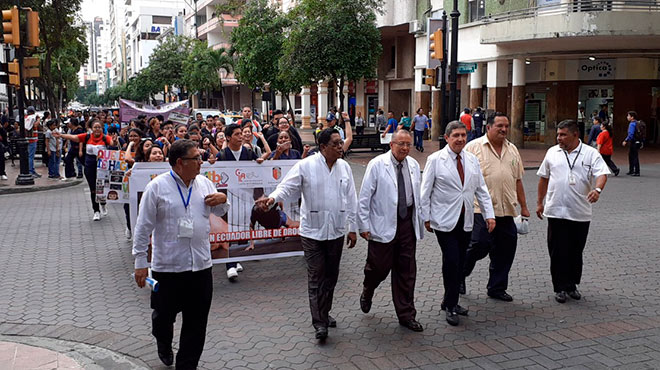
465	68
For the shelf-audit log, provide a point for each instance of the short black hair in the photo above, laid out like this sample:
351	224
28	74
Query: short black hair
160	117
324	136
179	149
491	118
74	122
245	122
632	114
209	116
277	111
598	119
570	125
137	131
193	127
51	123
112	130
229	129
168	122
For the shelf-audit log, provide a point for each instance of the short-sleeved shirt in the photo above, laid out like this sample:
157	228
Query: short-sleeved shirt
605	141
467	121
52	141
564	200
392	123
501	172
420	122
94	143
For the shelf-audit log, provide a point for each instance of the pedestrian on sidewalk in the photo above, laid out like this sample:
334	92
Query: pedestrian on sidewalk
53	148
325	217
452	178
72	158
392	248
93	143
4	147
634	142
174	217
605	144
359	124
565	197
418	126
32	124
503	170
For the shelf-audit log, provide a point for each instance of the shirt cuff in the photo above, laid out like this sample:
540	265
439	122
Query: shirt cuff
141	263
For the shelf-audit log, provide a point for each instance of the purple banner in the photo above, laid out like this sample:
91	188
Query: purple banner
129	109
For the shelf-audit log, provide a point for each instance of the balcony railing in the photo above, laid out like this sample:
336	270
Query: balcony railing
574	7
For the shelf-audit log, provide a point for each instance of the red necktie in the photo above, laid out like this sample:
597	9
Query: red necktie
459	167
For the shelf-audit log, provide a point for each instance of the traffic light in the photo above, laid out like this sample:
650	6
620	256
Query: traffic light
11	69
10	27
33	29
429	77
435	45
30	67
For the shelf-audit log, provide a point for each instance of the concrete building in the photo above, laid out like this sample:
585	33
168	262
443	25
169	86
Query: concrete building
94	71
117	44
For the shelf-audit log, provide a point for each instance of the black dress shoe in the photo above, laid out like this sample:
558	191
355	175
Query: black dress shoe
165	353
412	324
616	173
629	173
461	287
575	294
502	296
452	317
635	174
560	297
365	301
332	322
460	310
321	333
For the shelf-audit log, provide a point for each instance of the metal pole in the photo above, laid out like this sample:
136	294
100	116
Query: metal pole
454	61
443	84
10	103
195	19
24	178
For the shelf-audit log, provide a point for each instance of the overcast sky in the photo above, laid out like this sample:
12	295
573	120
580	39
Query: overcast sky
94	8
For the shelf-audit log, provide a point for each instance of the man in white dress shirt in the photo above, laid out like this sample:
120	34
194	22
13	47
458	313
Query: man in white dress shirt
328	211
389	219
174	211
452	178
566	183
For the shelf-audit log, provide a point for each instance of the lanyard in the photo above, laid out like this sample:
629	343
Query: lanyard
570	166
185	203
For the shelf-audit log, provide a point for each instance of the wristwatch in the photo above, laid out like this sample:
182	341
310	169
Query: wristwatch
599	190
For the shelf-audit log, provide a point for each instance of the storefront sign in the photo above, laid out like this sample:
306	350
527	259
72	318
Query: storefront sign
599	69
465	68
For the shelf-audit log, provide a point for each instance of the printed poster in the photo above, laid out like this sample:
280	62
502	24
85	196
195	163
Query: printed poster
111	178
245	232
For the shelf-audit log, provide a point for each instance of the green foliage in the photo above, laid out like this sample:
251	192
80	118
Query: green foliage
167	61
202	67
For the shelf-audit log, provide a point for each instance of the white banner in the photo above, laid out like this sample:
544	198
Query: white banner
111	179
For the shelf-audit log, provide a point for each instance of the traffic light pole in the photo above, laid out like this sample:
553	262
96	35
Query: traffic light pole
443	83
10	103
25	177
453	67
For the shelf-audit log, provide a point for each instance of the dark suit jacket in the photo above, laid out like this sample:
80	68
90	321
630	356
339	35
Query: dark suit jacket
227	155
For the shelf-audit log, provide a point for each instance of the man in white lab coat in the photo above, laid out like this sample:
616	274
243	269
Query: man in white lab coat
389	219
452	178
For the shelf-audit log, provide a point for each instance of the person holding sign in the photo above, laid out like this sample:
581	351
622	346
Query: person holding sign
175	210
325	217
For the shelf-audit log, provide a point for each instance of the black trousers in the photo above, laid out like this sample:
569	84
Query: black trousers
500	245
189	293
322	257
454	246
633	157
397	256
90	176
566	241
610	163
2	159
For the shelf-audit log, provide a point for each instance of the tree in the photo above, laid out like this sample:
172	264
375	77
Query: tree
167	61
332	39
202	69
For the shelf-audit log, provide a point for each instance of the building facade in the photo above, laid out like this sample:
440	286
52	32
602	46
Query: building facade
95	70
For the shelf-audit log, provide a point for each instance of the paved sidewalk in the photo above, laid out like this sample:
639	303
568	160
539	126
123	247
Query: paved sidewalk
43	183
20	356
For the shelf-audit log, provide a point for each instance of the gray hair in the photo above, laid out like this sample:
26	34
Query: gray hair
454	125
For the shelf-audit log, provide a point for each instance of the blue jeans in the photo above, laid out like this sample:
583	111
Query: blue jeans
32	150
419	139
53	165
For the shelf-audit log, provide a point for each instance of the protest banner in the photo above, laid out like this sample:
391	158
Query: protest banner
245	232
111	178
129	110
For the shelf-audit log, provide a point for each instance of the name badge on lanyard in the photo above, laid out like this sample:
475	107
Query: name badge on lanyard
185	223
572	180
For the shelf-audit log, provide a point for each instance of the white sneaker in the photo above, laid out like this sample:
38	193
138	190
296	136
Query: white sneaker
239	268
104	210
4	177
97	216
127	232
232	274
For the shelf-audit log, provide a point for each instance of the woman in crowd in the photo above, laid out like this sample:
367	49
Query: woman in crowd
248	142
405	122
155	154
180	132
605	145
134	137
141	151
93	143
284	150
154	128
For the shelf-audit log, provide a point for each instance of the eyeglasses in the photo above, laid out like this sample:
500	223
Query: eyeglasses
403	144
337	143
197	158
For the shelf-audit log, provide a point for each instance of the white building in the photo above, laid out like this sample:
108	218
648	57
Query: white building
116	43
95	69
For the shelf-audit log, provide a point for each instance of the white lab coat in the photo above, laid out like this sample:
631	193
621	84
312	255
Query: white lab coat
377	205
443	195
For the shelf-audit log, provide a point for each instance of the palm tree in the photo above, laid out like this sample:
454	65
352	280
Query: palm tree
202	69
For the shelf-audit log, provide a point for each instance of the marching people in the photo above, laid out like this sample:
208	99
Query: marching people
452	178
174	217
565	198
54	149
392	248
93	142
72	158
605	145
325	218
502	169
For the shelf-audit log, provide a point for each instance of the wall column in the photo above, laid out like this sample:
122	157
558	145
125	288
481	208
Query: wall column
359	99
322	108
518	102
436	115
498	75
305	100
476	91
292	99
278	100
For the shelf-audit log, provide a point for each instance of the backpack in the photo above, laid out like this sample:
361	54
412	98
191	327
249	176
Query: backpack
640	131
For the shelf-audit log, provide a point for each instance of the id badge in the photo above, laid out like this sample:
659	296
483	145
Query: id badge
185	227
571	179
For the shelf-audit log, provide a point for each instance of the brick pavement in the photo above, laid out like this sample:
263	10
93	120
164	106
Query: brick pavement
63	276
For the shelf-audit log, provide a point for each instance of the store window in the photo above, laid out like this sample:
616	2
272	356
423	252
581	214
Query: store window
477	9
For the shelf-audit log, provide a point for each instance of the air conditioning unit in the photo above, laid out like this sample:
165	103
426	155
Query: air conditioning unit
415	27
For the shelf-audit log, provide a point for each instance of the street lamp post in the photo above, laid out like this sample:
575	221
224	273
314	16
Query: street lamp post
453	67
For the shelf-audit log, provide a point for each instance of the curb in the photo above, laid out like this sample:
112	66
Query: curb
30	189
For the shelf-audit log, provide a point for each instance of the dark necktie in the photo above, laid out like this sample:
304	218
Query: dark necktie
402	207
459	167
